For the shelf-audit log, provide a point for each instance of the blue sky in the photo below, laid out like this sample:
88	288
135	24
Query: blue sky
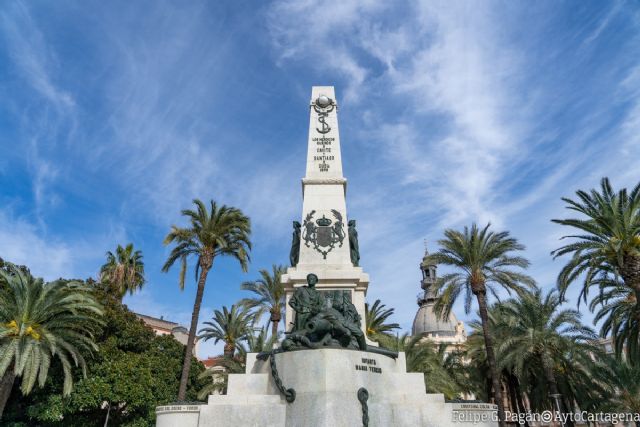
115	115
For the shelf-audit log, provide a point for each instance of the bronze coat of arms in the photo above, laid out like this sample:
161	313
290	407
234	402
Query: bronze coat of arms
323	233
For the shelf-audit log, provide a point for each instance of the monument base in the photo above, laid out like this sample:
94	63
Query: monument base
326	384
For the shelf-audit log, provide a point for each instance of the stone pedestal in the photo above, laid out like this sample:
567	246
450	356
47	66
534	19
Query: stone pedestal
326	382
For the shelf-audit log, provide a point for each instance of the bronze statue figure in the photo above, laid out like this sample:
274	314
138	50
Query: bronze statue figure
306	302
294	255
353	243
322	322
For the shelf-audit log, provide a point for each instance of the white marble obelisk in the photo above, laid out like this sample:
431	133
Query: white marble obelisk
324	250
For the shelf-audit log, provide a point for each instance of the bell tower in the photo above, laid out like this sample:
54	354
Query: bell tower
427	323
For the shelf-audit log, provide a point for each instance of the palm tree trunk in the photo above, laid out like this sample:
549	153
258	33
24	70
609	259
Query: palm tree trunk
521	406
553	387
513	401
491	358
275	320
630	271
6	384
186	365
229	349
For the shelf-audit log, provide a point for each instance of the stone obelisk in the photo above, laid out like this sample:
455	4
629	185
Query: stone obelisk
324	236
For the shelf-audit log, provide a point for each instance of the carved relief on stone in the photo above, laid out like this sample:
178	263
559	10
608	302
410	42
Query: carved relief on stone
323	233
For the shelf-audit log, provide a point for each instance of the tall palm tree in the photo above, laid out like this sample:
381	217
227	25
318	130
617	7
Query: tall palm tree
124	270
229	326
610	241
41	321
482	260
269	295
540	335
222	231
376	320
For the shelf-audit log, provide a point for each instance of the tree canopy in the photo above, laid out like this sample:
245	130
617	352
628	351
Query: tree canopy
132	372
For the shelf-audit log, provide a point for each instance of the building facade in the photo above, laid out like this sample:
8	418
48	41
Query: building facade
165	327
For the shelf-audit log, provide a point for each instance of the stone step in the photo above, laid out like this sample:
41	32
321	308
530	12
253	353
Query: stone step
249	399
253	384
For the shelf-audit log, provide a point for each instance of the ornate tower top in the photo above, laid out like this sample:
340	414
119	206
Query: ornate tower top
427	323
429	276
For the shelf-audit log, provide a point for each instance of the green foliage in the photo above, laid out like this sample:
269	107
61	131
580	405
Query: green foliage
43	322
269	293
222	231
257	342
376	320
124	270
610	245
546	347
620	386
133	370
229	326
482	260
606	255
620	315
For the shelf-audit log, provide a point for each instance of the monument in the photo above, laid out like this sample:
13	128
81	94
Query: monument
325	372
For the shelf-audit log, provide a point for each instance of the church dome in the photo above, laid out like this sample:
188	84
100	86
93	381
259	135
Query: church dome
428	323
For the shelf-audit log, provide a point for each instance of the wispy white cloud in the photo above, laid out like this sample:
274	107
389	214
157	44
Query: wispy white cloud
50	118
22	243
30	53
614	9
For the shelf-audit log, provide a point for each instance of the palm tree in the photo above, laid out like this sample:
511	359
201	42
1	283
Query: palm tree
482	259
610	245
222	231
41	321
621	384
539	336
124	270
620	313
235	364
269	295
376	317
229	326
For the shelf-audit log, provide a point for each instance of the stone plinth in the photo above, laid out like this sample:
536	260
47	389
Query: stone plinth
326	382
